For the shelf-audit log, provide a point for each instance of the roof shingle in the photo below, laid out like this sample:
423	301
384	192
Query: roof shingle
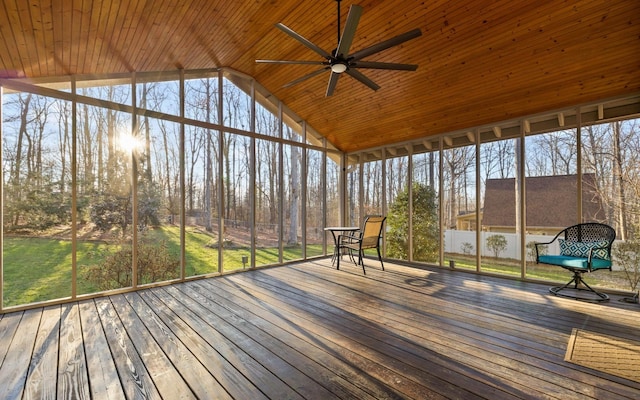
551	201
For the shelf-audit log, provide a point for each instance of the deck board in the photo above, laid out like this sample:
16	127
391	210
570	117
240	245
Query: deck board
133	374
262	349
201	381
189	330
105	383
242	351
73	378
351	333
371	323
42	379
309	331
319	360
484	350
13	373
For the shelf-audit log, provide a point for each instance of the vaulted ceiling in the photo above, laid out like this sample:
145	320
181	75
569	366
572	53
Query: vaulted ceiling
480	61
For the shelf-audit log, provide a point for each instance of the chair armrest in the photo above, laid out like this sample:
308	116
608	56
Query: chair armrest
349	238
536	244
591	250
547	243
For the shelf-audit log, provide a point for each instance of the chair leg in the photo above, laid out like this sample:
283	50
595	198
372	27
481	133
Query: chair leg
380	258
361	260
353	260
577	280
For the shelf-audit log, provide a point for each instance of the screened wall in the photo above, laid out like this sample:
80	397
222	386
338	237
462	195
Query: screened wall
477	200
128	181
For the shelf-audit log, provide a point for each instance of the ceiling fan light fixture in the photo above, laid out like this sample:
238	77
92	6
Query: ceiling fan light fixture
338	68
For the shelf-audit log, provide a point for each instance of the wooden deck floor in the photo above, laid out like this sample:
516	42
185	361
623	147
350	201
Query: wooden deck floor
309	331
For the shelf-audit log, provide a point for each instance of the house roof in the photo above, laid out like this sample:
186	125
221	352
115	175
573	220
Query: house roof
480	61
551	201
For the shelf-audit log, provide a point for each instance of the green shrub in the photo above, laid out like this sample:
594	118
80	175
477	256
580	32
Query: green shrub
425	225
627	255
155	264
497	244
37	211
467	248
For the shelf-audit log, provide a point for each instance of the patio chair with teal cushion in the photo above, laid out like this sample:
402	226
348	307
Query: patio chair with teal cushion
584	248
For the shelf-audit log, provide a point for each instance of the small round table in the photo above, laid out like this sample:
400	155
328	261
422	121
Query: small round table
340	229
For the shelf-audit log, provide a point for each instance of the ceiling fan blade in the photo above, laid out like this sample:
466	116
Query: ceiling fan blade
394	41
333	80
383	65
305	77
363	79
292	62
355	12
302	40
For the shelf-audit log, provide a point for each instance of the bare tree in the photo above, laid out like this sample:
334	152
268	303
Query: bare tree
64	142
619	183
458	162
17	185
170	182
294	190
203	104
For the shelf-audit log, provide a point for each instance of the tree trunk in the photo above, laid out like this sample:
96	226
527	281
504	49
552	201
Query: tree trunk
87	154
295	196
619	184
273	178
147	137
170	190
63	137
22	132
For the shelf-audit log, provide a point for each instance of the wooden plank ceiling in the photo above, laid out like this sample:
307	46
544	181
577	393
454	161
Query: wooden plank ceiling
480	61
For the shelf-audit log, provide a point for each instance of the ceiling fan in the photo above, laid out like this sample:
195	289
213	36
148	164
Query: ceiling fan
340	61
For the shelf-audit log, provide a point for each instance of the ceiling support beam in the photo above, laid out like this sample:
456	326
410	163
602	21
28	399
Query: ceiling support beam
600	111
471	137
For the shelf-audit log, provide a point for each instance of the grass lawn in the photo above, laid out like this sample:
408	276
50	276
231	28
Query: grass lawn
39	269
607	279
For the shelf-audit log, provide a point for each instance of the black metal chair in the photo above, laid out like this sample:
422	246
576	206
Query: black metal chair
369	237
584	248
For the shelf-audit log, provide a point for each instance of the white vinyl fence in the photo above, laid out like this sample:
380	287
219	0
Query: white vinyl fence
457	241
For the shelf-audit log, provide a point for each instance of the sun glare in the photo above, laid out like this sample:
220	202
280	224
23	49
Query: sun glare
129	143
